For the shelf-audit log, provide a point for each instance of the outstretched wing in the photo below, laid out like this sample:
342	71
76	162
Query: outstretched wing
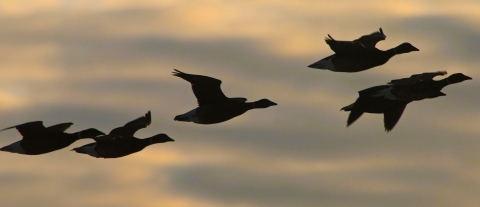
31	130
344	47
356	110
131	127
372	90
391	117
354	115
360	45
206	89
370	40
417	78
60	127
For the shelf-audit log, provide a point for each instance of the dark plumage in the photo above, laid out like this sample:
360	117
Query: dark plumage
365	103
121	142
39	140
213	106
419	86
365	41
360	54
369	41
391	100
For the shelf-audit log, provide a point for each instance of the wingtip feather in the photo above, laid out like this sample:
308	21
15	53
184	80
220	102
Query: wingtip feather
7	128
148	115
329	38
41	122
177	72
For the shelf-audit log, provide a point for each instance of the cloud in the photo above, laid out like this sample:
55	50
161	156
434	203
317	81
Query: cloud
456	40
102	68
383	187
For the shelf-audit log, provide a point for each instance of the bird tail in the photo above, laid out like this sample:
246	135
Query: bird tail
347	108
81	150
181	118
325	64
187	117
88	149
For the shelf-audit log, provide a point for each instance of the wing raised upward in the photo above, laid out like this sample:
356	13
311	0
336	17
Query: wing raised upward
371	40
360	45
206	89
344	47
131	127
31	130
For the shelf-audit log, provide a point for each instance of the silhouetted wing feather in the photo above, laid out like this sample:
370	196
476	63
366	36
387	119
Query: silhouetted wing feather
206	89
417	78
391	117
372	90
357	111
353	116
141	122
360	45
31	130
371	40
367	44
60	127
131	127
345	47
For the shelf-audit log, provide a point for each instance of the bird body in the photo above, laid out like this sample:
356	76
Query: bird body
354	62
391	100
120	147
392	110
213	106
360	54
360	59
39	140
121	142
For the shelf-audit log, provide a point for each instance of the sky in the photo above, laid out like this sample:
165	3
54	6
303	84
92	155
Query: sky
104	63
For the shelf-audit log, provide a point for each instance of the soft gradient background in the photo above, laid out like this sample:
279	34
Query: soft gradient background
103	63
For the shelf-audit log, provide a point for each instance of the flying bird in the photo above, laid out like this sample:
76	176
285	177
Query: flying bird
360	54
121	142
419	86
213	106
392	99
392	110
39	140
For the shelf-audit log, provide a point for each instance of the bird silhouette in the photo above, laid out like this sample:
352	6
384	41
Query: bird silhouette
213	106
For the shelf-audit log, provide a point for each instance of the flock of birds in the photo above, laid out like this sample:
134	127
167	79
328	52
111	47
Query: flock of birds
214	107
391	99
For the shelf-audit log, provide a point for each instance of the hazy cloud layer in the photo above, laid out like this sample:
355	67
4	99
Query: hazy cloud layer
103	64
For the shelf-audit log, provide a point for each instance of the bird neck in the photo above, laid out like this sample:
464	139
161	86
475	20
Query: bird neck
442	83
250	105
146	142
391	52
75	136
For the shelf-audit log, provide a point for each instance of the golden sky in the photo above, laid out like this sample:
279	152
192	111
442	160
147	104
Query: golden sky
103	63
